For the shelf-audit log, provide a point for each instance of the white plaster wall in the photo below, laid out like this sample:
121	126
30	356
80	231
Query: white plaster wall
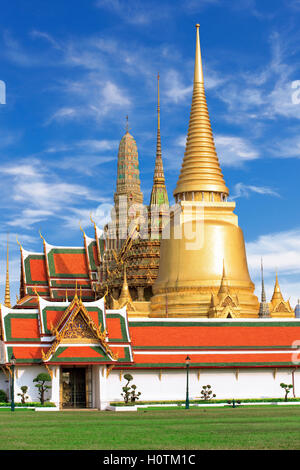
4	383
24	375
250	383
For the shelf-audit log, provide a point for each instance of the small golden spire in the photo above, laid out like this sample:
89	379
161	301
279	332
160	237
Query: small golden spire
7	287
200	171
224	282
125	297
277	295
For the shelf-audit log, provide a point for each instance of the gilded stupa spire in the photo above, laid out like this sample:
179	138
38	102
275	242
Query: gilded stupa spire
264	310
7	286
159	193
200	171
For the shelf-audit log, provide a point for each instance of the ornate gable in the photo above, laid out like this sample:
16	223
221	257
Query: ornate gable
77	326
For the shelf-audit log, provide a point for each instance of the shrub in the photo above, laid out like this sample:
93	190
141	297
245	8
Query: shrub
41	380
130	394
3	396
206	393
23	396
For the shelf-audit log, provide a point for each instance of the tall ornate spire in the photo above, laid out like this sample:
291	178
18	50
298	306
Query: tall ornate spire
200	171
159	193
7	287
263	306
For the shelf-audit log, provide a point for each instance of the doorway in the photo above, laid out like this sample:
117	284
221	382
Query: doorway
73	387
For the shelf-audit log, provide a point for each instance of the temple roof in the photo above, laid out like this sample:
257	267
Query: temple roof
66	332
58	271
213	342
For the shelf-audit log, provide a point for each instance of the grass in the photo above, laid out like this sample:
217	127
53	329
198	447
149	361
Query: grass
264	427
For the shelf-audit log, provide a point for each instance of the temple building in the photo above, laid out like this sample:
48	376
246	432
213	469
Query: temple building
156	285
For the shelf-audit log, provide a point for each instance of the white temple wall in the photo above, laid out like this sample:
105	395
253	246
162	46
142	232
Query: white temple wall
24	375
231	383
4	383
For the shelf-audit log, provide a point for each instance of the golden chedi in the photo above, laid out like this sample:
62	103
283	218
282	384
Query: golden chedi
204	233
278	306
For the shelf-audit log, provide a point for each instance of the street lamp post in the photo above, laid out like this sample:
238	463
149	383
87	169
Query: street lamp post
13	362
187	401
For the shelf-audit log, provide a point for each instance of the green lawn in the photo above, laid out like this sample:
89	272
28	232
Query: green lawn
264	427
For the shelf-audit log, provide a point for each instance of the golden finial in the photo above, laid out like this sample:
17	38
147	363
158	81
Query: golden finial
200	171
93	222
18	243
36	292
44	241
7	287
75	289
80	293
81	228
67	300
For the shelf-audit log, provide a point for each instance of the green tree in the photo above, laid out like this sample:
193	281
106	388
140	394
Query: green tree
287	388
41	380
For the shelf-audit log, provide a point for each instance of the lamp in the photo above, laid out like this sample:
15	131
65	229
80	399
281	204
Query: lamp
13	363
187	401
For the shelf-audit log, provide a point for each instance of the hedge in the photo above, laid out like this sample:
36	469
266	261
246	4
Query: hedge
34	404
182	402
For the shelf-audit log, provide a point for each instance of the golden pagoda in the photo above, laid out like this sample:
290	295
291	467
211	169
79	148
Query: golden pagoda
278	306
204	231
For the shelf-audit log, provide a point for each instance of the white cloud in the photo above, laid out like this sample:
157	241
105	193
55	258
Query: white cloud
39	194
279	250
234	151
244	190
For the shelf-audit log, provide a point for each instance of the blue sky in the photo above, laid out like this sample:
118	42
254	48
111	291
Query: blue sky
74	70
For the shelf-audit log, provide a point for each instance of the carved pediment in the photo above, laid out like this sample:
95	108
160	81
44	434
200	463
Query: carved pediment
281	307
78	329
228	302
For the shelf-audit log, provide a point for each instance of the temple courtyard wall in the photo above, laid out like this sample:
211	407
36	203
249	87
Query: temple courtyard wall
162	384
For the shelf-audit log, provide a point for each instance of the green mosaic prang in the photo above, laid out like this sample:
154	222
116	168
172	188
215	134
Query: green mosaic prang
7	326
123	328
28	278
51	264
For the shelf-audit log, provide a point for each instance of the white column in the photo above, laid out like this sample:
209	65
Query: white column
55	384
